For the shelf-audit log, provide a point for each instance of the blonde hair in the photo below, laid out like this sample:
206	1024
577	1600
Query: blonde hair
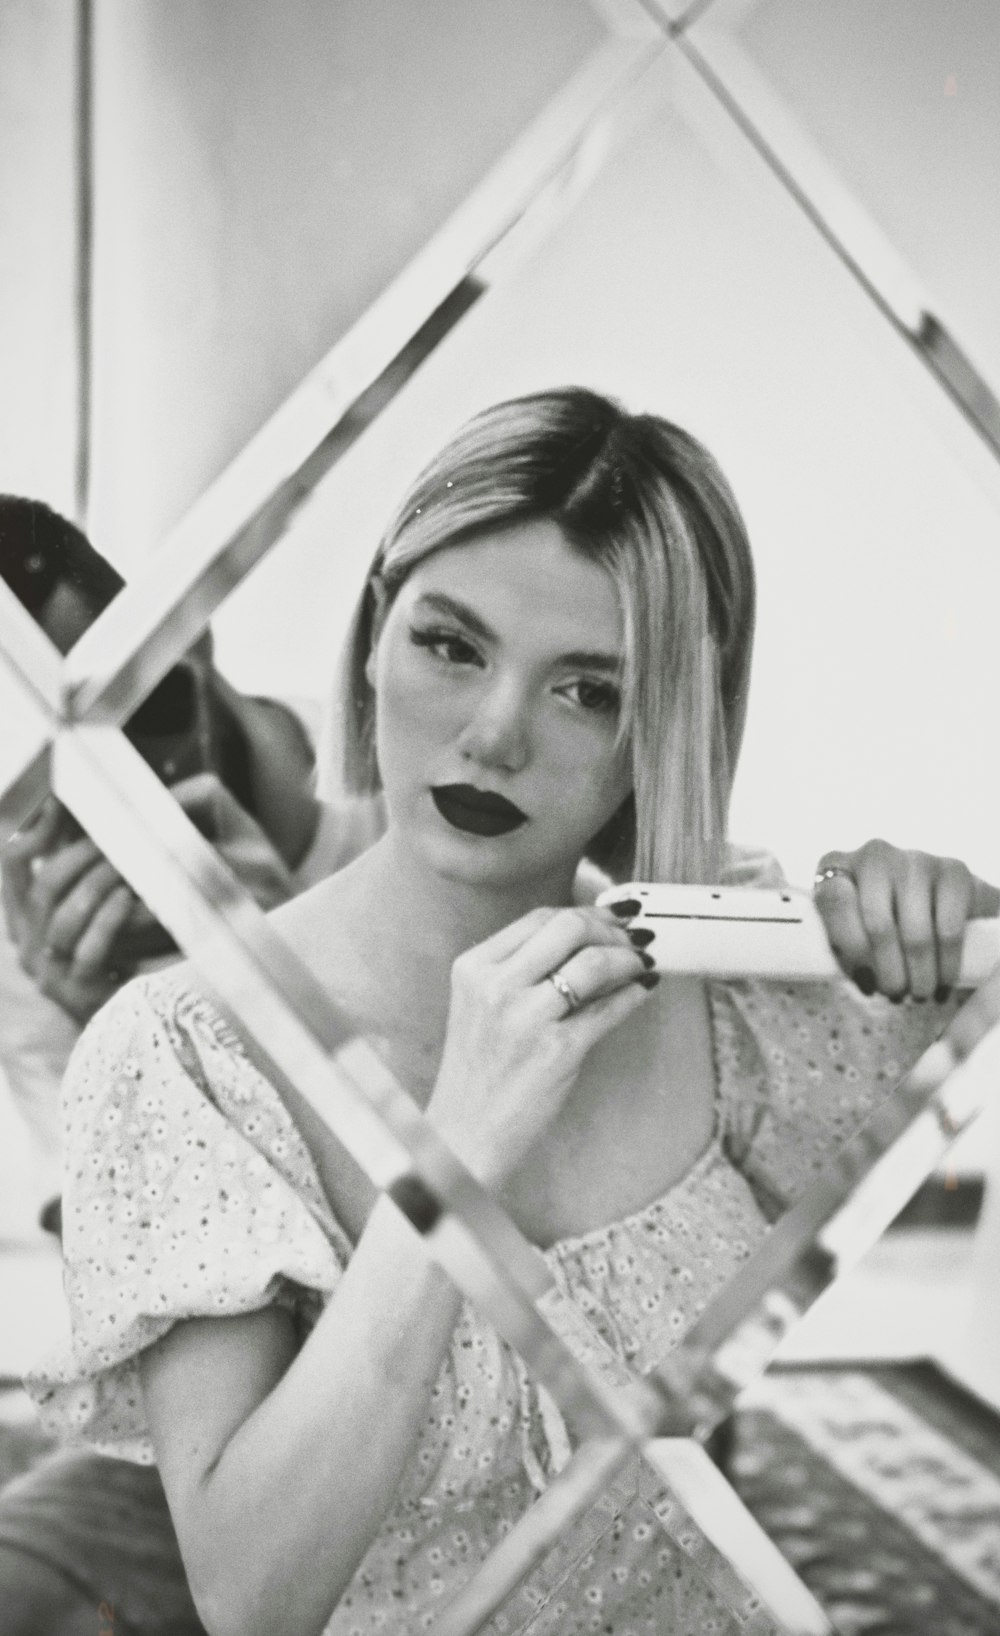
645	500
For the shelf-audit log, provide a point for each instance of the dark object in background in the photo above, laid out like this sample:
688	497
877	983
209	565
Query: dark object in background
182	728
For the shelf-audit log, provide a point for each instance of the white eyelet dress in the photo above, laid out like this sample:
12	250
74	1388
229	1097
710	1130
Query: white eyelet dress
189	1192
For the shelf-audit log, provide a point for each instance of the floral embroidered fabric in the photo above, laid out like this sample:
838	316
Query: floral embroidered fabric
190	1193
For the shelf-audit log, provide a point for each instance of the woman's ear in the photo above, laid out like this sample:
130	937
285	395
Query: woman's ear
380	599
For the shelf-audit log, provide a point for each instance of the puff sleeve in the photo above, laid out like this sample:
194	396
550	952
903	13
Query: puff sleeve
189	1193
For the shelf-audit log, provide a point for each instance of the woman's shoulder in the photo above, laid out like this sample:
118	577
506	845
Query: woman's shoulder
189	1192
175	1003
149	1014
801	1067
830	1021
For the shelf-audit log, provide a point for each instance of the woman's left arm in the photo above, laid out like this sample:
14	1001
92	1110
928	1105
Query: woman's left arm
895	919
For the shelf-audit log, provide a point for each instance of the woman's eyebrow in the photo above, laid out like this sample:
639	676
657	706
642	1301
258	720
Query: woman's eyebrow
458	610
609	664
582	659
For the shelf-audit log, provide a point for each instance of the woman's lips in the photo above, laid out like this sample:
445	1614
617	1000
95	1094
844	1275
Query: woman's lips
478	812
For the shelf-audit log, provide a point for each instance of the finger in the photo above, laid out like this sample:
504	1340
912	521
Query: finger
914	899
509	939
585	1027
52	878
561	936
954	895
70	919
94	953
15	885
17	859
41	830
837	901
590	974
877	908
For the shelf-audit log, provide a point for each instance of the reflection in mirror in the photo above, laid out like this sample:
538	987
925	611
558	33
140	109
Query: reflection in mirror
190	727
763	1083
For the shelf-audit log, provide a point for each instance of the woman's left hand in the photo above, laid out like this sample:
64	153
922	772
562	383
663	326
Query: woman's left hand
895	919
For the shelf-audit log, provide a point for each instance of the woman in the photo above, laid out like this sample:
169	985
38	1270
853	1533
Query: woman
550	663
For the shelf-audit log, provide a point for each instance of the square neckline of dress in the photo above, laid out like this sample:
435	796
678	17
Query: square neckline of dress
722	1016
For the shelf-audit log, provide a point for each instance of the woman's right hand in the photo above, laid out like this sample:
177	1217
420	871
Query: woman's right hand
515	1042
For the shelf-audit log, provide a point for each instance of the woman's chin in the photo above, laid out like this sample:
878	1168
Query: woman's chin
493	862
490	860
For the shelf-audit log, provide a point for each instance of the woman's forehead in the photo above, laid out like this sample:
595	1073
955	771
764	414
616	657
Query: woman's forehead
526	574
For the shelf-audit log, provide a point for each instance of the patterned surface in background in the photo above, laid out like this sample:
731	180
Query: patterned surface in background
882	1488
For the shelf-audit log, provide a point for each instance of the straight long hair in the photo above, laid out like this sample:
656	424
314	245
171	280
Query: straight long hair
646	500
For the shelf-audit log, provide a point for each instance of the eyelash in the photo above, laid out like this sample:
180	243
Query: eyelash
443	643
437	639
609	697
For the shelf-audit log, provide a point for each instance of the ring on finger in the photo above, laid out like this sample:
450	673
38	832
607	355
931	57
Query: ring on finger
568	992
833	871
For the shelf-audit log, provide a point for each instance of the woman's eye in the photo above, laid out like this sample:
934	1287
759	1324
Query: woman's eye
599	696
450	646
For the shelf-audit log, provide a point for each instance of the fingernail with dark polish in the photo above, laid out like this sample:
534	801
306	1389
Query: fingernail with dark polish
626	907
647	959
641	936
649	979
942	993
865	979
897	999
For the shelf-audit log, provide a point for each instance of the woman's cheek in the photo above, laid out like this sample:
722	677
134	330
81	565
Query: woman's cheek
413	704
585	760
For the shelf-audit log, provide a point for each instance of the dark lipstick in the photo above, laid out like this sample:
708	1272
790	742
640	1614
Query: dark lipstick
478	812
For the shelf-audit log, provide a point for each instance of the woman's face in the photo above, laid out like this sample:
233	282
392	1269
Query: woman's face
497	678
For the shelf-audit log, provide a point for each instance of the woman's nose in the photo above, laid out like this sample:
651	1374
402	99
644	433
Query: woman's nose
497	734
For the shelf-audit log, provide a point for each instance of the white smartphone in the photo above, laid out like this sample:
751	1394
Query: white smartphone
749	931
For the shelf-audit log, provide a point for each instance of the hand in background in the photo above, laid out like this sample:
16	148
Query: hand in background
79	928
895	919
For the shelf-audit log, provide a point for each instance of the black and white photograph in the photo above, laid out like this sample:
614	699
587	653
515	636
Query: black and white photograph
499	818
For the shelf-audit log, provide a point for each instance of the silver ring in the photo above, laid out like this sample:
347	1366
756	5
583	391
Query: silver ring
573	1001
832	872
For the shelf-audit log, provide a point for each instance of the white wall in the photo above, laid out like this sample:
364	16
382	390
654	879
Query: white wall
687	282
902	98
38	384
261	172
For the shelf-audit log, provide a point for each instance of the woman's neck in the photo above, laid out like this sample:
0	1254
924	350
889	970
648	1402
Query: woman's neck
431	918
408	925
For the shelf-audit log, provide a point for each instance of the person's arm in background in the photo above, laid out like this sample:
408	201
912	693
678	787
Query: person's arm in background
68	910
282	764
66	906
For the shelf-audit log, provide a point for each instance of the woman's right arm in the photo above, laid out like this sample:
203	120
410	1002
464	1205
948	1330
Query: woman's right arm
280	1466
